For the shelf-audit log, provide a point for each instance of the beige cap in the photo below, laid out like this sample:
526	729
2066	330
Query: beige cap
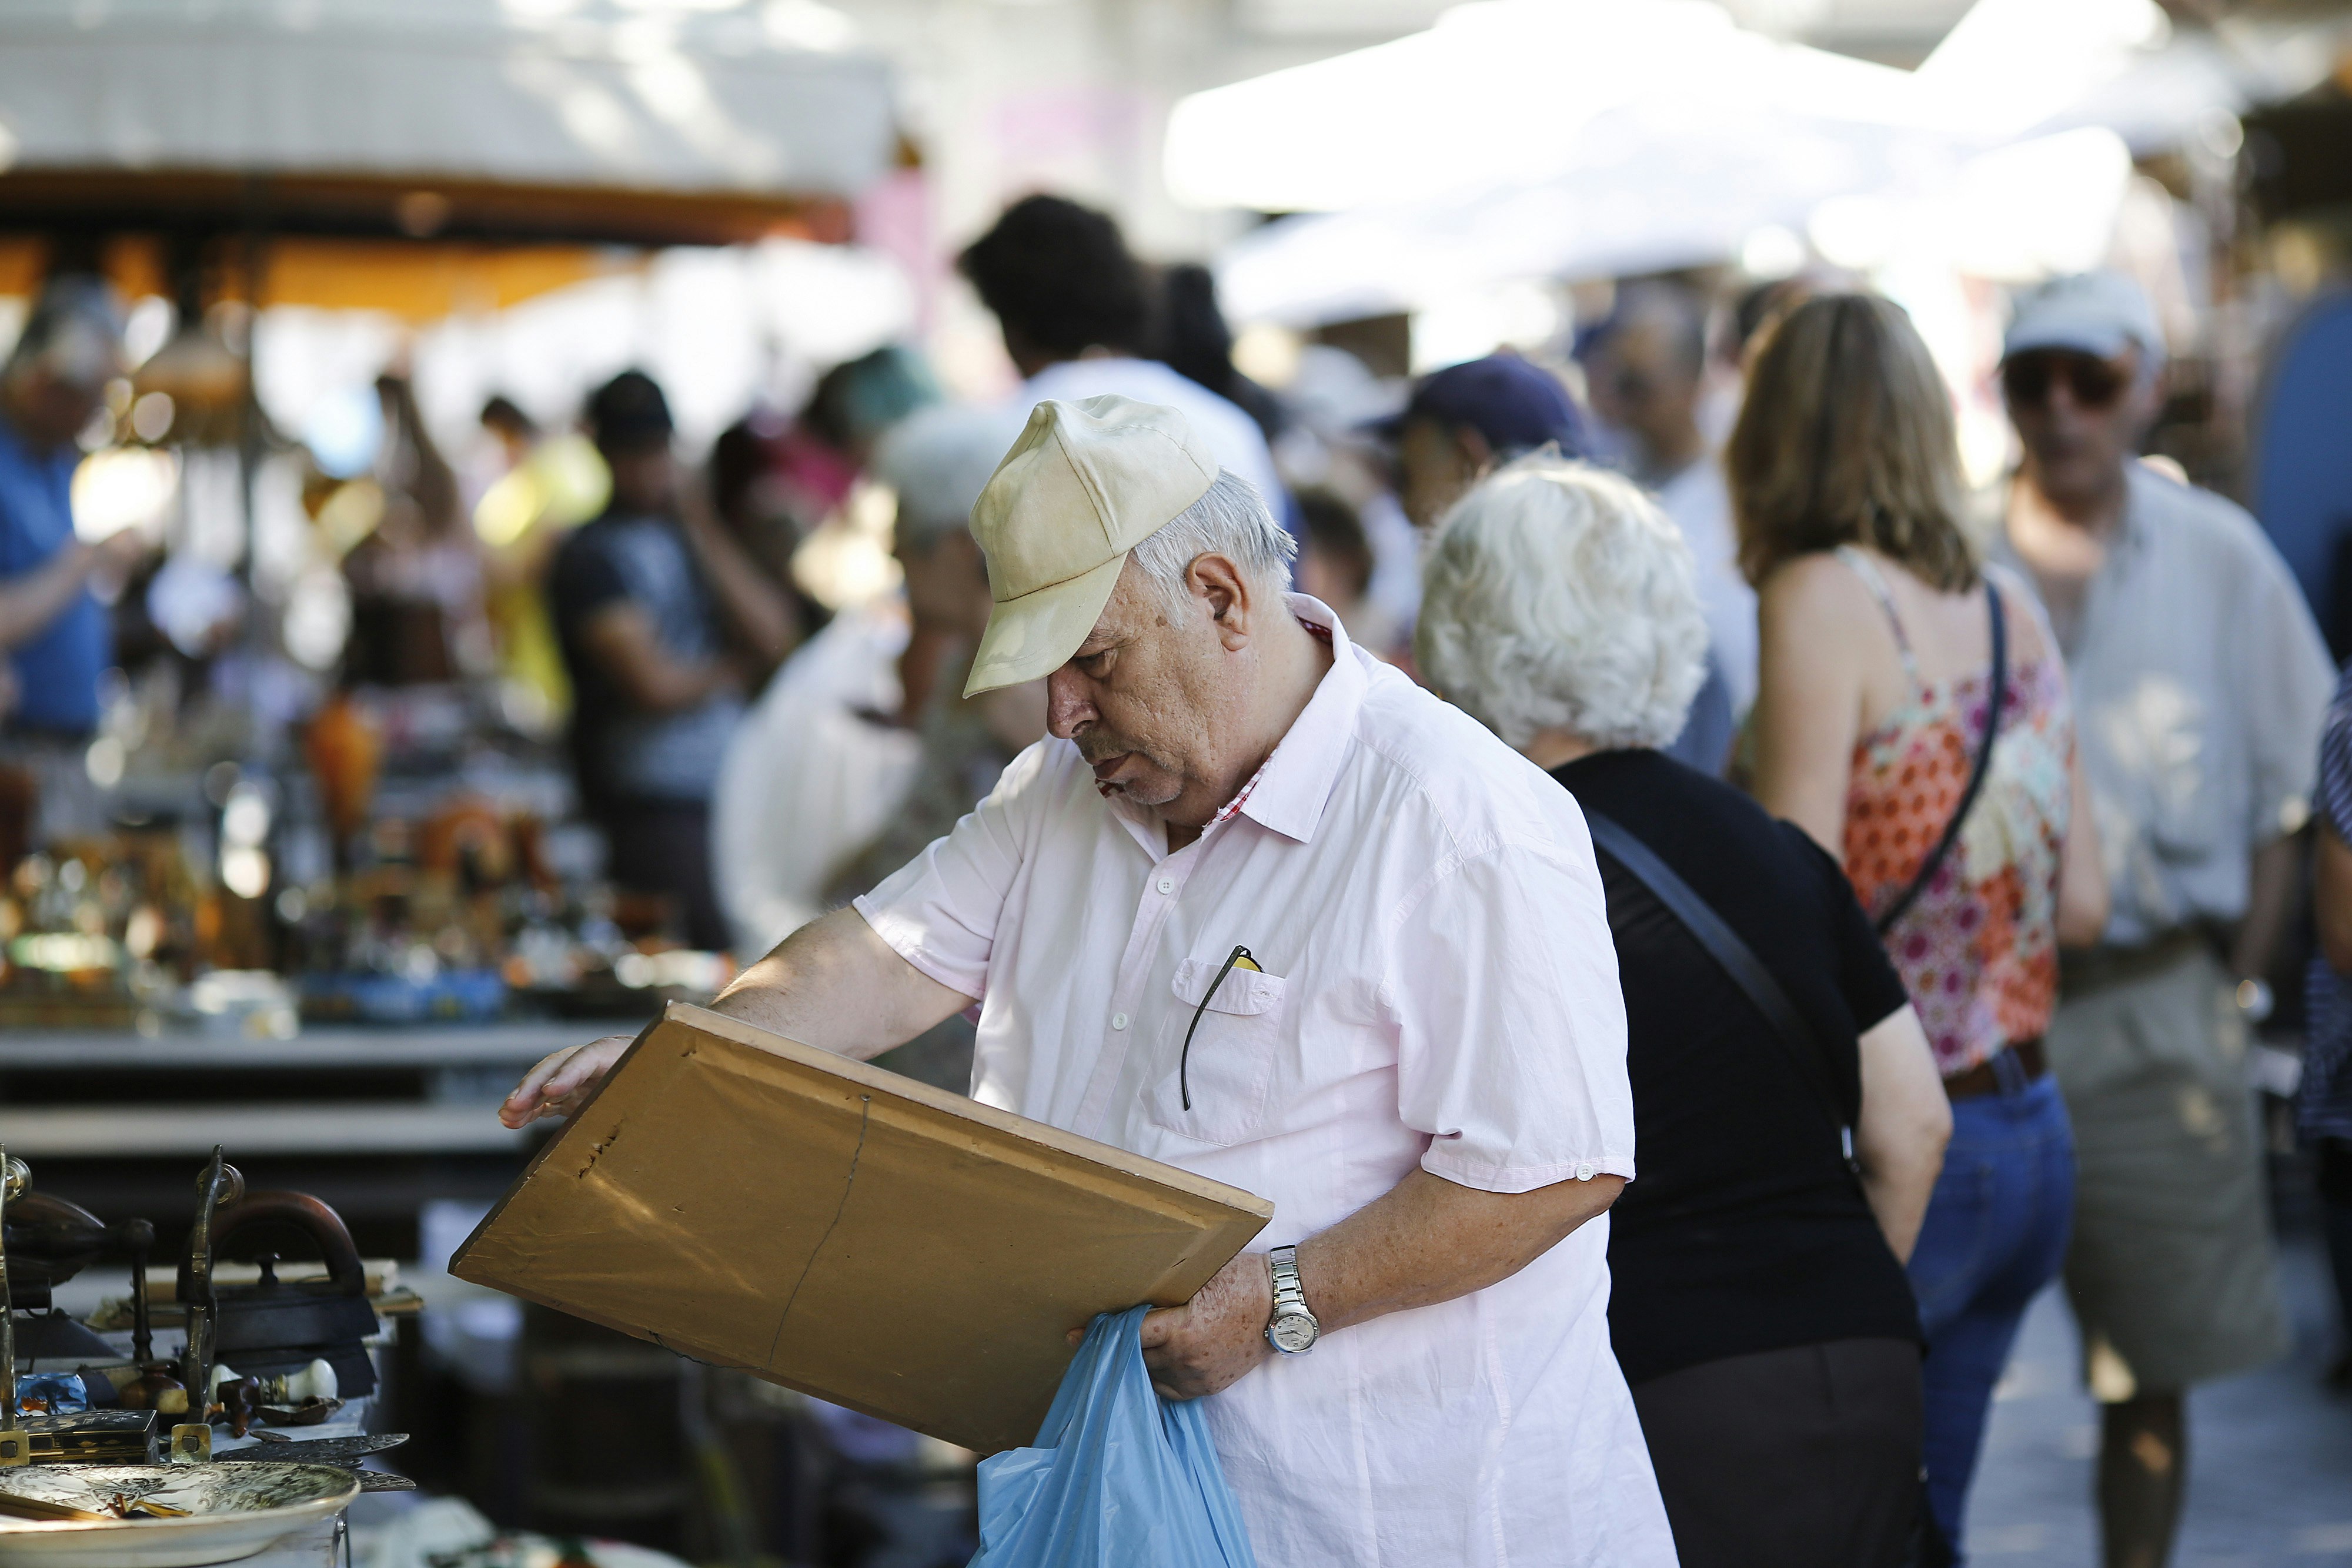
1086	483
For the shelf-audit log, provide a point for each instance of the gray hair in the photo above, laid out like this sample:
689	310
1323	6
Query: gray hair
1231	520
1559	597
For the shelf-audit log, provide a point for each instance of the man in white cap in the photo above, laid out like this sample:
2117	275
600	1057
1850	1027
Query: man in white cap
1262	908
2200	683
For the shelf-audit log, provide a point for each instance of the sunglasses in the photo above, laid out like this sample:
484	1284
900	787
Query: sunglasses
2093	383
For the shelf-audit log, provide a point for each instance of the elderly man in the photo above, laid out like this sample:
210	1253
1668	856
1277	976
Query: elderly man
2200	684
1263	909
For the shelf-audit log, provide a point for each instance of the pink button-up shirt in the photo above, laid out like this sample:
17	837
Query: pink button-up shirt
1439	989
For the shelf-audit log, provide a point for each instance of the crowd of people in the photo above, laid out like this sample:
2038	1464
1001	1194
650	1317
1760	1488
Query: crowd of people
1899	875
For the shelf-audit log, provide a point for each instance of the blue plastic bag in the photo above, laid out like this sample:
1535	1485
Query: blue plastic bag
1120	1478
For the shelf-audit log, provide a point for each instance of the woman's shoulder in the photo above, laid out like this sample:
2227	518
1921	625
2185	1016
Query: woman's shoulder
1820	594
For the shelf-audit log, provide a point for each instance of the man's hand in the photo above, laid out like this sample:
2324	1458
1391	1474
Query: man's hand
562	1082
1208	1344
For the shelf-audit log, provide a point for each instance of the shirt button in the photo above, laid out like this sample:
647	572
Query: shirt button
1166	884
1118	1021
1587	1171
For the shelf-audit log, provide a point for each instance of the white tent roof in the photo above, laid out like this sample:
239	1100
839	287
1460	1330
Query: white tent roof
544	92
1501	92
1530	139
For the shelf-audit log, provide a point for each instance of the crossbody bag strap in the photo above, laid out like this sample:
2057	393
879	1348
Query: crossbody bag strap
1798	1038
1983	764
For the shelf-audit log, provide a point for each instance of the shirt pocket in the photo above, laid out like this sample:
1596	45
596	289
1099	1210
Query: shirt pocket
1235	1048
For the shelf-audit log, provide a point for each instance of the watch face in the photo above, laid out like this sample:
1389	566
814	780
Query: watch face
1292	1333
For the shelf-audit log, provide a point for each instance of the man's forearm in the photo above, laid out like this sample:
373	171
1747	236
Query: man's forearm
30	602
1424	1242
1428	1239
752	602
836	985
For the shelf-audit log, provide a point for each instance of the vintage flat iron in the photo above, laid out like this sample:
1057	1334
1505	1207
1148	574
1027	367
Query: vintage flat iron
274	1328
48	1241
59	1233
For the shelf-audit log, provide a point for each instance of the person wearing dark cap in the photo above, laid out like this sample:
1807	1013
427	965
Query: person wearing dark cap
662	622
1467	420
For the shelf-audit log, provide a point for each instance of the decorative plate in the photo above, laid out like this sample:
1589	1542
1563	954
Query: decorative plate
233	1511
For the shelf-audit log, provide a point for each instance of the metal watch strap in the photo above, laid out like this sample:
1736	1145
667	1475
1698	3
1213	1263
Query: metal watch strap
1290	1295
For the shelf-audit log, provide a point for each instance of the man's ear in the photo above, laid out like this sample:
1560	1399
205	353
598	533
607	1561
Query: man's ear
1219	581
1477	454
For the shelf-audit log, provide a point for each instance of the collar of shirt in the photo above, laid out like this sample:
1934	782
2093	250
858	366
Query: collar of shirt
2131	534
1292	786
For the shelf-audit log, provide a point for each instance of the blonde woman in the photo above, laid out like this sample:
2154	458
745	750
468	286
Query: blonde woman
1757	1298
1965	832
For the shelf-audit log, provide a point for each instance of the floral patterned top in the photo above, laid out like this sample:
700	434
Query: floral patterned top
1979	949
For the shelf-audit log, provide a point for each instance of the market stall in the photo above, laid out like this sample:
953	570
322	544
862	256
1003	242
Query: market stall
316	889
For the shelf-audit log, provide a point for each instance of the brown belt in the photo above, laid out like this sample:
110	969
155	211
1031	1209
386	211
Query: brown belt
1985	1077
2087	971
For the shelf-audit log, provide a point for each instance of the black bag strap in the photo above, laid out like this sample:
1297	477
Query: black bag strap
1935	857
1798	1037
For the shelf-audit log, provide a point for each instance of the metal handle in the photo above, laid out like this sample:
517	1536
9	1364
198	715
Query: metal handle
220	1183
15	1448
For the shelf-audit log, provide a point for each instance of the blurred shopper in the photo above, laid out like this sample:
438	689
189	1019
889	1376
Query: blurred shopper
1885	653
1467	420
1337	566
937	462
2325	1098
551	484
1646	370
858	399
1189	335
664	623
53	634
1462	423
1757	1299
2201	681
53	630
416	578
1075	311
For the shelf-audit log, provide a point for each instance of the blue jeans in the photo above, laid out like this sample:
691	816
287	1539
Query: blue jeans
1995	1234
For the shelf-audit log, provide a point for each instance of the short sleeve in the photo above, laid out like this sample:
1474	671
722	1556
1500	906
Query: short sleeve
1511	1028
939	910
586	578
1871	986
2333	797
2285	696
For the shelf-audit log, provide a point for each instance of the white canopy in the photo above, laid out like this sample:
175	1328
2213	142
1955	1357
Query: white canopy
602	93
1534	138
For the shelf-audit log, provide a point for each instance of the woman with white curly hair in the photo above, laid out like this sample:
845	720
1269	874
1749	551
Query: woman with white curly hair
1787	1113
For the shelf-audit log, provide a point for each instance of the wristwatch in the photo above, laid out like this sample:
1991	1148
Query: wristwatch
1293	1330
